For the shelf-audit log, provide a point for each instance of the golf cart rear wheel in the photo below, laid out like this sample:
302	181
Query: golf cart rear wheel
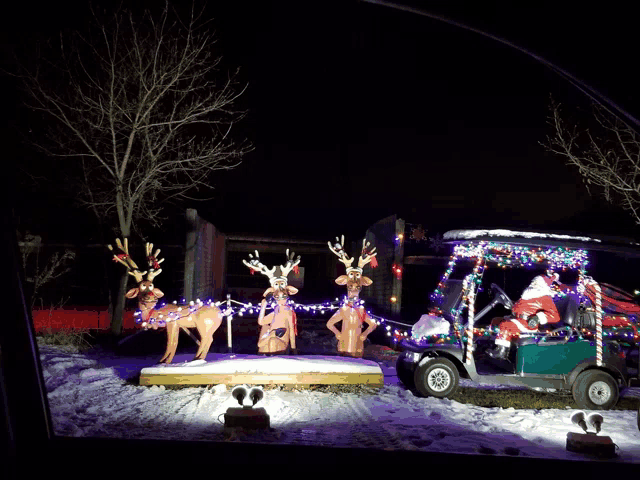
436	377
405	374
595	390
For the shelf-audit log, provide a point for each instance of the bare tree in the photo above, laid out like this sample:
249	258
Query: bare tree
35	273
607	155
143	112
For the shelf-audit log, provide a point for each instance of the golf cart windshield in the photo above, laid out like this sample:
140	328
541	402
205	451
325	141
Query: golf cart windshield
483	264
450	300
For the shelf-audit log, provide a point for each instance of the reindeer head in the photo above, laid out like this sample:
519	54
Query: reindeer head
277	275
354	280
146	293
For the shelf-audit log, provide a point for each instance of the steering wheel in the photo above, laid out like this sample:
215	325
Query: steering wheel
501	297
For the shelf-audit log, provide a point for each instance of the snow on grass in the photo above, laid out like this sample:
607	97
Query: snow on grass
88	398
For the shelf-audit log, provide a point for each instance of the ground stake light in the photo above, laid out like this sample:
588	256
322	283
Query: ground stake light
246	416
590	443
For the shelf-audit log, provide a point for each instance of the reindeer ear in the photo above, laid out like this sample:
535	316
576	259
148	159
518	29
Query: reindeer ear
158	293
268	291
342	280
291	290
133	293
366	281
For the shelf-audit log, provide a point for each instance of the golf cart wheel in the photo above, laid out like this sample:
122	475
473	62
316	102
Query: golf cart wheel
595	390
405	374
436	377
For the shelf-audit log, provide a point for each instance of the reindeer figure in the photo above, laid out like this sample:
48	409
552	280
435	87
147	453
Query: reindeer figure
205	318
352	315
279	328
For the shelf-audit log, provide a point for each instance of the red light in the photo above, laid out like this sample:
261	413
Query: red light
622	355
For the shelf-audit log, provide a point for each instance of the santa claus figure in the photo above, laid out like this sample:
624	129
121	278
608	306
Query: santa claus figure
534	308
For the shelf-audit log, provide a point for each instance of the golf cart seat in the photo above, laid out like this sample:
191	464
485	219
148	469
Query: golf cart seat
567	308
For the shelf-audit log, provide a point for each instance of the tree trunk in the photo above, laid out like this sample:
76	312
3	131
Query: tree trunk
125	229
118	311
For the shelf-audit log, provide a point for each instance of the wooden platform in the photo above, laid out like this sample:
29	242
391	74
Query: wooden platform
230	369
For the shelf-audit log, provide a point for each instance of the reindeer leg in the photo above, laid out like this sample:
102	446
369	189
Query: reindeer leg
206	330
172	342
207	339
203	338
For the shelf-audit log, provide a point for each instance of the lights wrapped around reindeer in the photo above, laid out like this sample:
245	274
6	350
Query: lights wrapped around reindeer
352	314
205	318
279	328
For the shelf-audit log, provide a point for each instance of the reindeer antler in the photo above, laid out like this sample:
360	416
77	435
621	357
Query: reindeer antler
256	265
291	263
366	256
125	259
338	249
154	263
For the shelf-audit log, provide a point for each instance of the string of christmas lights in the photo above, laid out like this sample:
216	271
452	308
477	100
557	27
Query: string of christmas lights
230	311
628	333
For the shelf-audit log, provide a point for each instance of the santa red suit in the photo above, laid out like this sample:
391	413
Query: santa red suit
534	308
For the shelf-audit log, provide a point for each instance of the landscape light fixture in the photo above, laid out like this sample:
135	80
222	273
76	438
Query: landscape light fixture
245	416
595	421
579	419
246	397
590	443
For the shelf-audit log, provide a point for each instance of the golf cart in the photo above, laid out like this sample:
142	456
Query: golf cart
587	353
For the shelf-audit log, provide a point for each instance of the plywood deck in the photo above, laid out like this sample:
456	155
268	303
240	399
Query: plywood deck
232	369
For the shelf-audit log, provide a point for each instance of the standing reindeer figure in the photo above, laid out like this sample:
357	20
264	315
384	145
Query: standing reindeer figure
352	315
205	318
279	328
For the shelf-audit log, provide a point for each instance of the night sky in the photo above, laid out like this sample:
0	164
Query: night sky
358	111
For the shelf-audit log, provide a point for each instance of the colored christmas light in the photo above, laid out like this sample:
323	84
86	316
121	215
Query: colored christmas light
626	332
397	271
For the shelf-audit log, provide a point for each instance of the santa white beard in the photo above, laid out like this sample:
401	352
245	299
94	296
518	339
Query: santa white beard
538	288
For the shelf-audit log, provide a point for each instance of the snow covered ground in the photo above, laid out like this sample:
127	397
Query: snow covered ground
90	395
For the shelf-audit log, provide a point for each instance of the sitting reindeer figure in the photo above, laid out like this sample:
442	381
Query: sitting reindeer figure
279	328
352	315
205	318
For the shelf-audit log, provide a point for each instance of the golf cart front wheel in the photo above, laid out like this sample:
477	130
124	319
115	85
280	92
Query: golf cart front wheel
436	377
595	390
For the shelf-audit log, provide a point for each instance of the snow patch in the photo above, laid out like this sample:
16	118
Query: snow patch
219	389
275	364
468	234
391	418
430	325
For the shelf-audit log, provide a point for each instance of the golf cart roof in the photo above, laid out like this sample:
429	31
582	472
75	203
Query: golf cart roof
540	239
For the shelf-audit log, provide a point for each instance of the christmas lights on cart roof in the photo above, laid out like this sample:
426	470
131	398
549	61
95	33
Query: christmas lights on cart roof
622	245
